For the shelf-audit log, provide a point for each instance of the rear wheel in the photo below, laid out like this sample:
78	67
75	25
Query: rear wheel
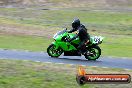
93	53
54	52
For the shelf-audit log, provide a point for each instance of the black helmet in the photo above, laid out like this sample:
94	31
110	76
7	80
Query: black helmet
76	23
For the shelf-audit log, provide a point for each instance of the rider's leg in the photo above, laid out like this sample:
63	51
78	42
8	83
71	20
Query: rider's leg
81	48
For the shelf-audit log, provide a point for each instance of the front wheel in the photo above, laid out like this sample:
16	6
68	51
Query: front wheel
54	52
93	53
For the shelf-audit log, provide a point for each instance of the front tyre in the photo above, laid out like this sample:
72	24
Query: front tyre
54	52
93	53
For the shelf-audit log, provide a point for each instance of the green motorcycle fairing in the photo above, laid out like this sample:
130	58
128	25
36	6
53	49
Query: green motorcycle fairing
66	46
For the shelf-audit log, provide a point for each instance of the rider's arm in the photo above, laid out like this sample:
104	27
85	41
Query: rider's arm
72	30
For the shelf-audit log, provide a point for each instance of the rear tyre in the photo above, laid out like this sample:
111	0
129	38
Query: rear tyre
54	52
93	53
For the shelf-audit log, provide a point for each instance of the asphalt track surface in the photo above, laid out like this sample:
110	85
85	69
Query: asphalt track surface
43	57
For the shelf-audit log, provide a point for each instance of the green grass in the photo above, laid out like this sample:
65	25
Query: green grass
28	74
24	42
112	22
117	46
93	19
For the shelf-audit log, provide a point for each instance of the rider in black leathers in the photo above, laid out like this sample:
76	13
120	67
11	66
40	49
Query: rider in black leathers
82	34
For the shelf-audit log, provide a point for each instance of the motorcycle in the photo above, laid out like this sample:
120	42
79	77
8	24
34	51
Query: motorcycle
61	45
